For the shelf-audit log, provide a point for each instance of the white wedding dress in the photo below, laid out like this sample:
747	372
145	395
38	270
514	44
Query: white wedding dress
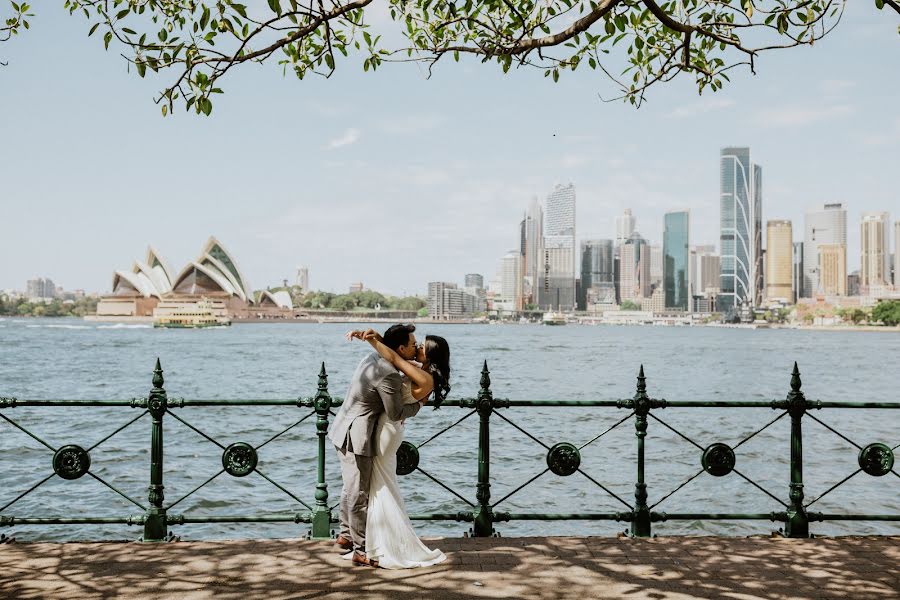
390	537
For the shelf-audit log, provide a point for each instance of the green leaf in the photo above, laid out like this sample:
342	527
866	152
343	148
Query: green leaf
555	75
141	67
165	110
122	14
879	4
107	38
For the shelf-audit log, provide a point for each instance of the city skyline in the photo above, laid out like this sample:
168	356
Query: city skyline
335	172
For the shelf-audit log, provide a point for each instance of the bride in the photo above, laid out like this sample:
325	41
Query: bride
391	542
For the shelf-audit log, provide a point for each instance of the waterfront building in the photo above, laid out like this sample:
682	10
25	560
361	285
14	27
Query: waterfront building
597	273
40	288
875	235
897	255
625	225
832	269
656	265
634	268
213	275
474	280
511	280
302	278
676	260
797	270
827	225
853	284
705	269
657	301
780	261
557	288
740	231
447	301
357	287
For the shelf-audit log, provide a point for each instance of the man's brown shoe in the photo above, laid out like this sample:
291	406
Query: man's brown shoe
343	543
361	560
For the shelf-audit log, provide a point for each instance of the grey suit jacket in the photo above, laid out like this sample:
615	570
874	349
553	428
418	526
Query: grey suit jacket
376	388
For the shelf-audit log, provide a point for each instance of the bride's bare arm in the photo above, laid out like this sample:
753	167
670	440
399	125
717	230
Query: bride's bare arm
421	380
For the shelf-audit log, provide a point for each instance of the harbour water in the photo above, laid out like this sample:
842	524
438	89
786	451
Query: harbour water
72	359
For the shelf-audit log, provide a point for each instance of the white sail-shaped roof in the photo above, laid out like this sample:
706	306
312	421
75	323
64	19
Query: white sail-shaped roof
216	250
280	299
188	281
212	263
162	273
125	283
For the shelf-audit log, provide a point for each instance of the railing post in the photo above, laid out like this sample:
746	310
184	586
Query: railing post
484	516
797	523
640	524
321	515
155	521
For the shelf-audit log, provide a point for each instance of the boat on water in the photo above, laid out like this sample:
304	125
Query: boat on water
552	318
196	316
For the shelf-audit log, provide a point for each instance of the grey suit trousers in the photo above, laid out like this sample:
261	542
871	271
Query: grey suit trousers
356	472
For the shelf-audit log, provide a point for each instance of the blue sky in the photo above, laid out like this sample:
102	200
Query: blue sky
395	180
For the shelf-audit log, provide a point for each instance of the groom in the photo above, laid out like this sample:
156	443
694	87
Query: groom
376	388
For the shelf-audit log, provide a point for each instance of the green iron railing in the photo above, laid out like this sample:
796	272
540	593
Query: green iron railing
563	459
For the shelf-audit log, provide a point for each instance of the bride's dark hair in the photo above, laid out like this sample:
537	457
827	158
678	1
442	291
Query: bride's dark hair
437	351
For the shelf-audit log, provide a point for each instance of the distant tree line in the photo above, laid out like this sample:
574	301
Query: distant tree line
364	300
886	312
22	307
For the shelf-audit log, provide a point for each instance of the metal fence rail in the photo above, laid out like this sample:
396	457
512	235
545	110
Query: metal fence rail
563	459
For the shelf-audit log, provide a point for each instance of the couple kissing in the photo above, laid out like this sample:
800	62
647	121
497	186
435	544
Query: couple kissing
390	385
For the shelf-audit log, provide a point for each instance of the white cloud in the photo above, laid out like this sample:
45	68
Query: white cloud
797	116
351	136
699	108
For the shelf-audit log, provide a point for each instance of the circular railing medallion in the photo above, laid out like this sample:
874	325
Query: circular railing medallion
407	458
563	459
718	460
876	459
239	459
71	462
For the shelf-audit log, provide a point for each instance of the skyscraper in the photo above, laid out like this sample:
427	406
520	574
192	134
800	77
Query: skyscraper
533	267
656	265
779	261
624	227
833	269
706	267
303	278
597	283
740	230
676	257
558	286
634	268
797	271
827	225
511	279
875	238
474	280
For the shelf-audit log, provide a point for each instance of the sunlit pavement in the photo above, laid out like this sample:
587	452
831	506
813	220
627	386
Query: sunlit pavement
553	567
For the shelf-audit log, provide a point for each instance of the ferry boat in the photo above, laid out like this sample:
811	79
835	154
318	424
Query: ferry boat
197	317
552	318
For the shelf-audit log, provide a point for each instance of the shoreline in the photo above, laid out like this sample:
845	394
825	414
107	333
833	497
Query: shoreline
420	320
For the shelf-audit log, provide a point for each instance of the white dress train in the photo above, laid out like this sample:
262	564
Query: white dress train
390	537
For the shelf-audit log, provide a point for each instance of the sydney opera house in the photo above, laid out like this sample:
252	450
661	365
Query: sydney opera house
152	287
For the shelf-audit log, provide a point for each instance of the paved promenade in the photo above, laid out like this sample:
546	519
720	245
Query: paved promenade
580	568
